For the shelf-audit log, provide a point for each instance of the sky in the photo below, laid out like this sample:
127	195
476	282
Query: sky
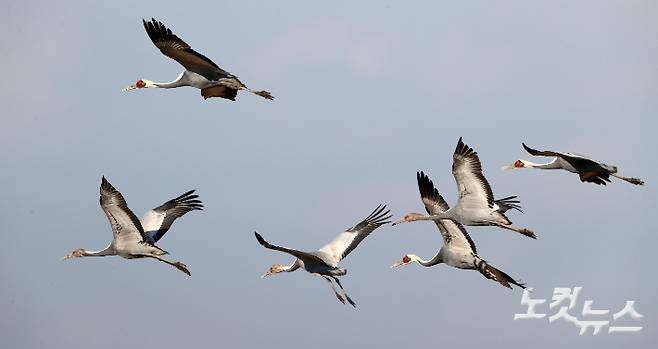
367	93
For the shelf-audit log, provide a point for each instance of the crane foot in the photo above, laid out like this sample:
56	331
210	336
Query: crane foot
182	267
340	298
529	233
350	300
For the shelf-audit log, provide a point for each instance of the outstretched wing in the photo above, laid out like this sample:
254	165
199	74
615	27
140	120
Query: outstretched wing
579	162
348	240
125	224
535	152
453	233
157	221
175	48
474	190
299	254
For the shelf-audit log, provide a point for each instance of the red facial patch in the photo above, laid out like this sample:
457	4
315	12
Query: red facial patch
518	163
140	84
406	259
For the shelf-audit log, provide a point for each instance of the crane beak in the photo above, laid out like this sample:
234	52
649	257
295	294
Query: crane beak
507	167
396	264
67	257
266	274
129	87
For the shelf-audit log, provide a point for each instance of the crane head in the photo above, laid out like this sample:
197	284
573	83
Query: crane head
404	261
274	269
141	83
517	164
74	254
409	217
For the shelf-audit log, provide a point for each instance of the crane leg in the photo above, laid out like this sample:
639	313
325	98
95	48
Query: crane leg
344	292
527	232
631	180
178	265
340	298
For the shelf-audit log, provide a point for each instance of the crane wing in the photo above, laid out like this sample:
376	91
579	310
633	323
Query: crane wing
125	224
299	254
535	152
453	233
348	240
175	48
157	221
474	190
579	162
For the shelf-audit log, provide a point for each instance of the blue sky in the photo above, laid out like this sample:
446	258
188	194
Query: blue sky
366	95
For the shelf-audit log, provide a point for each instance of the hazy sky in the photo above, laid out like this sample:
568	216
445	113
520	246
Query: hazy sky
367	93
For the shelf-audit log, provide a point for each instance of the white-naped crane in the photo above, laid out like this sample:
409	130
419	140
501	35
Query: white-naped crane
588	170
476	205
135	239
324	262
200	71
458	249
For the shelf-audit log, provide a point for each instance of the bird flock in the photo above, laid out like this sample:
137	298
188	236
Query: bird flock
475	205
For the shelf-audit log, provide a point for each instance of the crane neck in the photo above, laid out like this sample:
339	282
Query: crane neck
108	251
444	215
171	84
437	259
547	166
290	268
181	80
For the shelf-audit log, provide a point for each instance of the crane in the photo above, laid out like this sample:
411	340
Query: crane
324	262
135	239
476	205
458	249
588	170
200	71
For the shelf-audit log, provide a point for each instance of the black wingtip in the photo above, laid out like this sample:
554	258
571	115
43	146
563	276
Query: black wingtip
105	184
463	149
529	150
425	185
260	239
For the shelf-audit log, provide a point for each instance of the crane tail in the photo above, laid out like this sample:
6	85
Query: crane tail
509	203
